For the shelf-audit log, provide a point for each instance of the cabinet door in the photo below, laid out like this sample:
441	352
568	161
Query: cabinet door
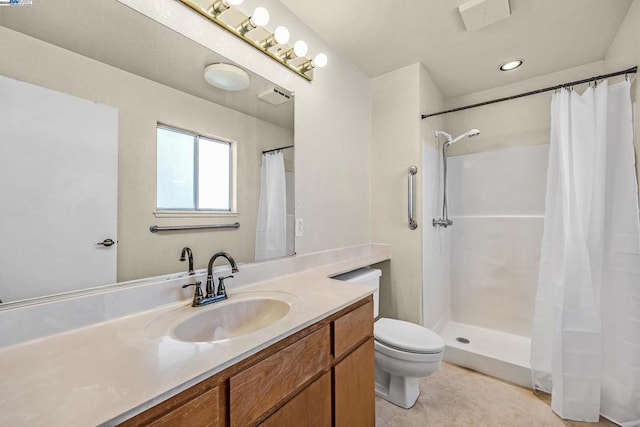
311	408
355	388
256	390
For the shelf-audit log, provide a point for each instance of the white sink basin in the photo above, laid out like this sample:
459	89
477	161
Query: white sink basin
238	316
231	320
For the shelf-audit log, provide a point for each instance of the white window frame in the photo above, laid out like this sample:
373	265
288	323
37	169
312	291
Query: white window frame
185	213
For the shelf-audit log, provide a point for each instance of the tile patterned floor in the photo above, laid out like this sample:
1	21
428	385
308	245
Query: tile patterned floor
455	396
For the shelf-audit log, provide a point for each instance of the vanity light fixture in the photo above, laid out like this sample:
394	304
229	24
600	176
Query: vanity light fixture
260	18
219	6
252	29
226	76
511	65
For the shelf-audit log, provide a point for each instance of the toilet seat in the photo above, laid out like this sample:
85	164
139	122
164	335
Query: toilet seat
406	356
407	337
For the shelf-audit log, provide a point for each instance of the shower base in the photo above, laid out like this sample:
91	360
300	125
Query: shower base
498	354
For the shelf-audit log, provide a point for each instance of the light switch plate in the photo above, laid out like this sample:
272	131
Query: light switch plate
299	227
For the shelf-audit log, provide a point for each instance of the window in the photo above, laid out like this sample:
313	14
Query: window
194	171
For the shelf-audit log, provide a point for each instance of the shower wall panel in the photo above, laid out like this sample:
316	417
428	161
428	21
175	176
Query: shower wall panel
496	202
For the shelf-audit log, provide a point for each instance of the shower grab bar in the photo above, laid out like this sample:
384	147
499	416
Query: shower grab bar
155	228
413	224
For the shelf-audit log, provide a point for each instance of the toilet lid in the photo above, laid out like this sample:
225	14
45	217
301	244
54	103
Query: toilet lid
407	336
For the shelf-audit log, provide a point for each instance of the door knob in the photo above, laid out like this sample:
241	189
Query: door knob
106	242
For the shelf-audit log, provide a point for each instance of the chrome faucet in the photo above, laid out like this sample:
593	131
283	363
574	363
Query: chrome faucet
212	295
187	251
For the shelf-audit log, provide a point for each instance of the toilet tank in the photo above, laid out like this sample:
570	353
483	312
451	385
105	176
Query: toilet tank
365	276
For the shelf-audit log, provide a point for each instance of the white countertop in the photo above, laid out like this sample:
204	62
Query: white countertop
108	372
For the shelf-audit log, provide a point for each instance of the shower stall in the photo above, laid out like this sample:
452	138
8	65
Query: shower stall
481	267
520	290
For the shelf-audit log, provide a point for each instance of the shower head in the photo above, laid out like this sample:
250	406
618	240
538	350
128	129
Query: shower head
470	134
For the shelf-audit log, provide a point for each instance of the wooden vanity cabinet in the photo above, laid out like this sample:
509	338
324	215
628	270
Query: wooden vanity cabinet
320	376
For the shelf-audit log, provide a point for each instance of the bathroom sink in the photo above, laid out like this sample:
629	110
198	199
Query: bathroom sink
231	320
236	317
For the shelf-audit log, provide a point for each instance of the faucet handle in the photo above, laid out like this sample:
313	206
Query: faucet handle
221	289
197	295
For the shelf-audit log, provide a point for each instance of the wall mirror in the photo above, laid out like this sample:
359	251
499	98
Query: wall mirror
110	73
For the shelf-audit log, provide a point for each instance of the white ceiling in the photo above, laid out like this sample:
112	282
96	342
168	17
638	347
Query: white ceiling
380	36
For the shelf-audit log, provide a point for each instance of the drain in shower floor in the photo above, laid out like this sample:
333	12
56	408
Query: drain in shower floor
463	340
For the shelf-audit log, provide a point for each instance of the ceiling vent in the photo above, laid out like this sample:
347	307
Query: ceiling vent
275	96
478	14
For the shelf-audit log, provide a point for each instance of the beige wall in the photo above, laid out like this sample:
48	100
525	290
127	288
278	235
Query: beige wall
332	136
396	146
398	100
519	122
625	53
332	123
141	104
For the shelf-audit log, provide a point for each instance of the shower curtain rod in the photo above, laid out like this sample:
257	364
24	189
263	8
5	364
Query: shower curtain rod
277	149
534	92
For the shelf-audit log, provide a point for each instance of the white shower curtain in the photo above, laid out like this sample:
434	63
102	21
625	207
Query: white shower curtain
271	232
586	330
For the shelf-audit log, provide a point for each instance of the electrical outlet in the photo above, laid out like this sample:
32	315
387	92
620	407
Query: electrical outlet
299	227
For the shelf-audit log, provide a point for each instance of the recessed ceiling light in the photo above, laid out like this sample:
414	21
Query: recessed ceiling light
226	76
511	65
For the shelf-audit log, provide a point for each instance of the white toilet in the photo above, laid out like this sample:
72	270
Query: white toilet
404	351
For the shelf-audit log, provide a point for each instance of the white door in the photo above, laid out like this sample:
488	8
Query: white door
58	191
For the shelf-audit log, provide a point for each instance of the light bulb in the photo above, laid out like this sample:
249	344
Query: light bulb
281	35
260	17
320	60
300	48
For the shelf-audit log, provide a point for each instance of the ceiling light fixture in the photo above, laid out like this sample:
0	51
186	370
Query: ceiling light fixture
273	44
226	76
511	65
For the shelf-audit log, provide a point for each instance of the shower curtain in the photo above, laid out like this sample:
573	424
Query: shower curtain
586	330
271	232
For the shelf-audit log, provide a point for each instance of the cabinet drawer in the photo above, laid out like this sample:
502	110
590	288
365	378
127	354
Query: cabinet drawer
264	385
200	412
352	328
